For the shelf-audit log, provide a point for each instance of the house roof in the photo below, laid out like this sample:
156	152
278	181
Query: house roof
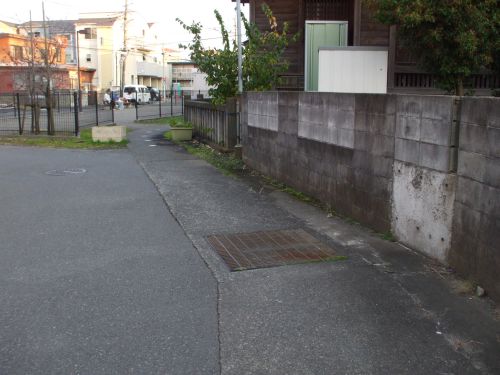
97	21
55	26
11	24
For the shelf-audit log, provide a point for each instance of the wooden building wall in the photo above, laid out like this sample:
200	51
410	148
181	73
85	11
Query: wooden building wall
363	29
403	72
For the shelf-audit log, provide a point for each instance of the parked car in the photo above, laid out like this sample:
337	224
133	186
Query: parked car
131	93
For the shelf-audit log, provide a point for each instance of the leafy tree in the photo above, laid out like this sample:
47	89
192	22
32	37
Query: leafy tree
263	53
452	38
262	57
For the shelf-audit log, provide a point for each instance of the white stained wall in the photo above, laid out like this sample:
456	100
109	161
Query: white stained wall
200	82
353	70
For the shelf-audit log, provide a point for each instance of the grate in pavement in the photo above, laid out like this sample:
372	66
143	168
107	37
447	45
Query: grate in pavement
246	251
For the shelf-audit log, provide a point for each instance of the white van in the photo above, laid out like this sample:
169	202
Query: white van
131	92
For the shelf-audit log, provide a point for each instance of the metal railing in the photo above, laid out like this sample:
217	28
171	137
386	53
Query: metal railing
25	114
172	105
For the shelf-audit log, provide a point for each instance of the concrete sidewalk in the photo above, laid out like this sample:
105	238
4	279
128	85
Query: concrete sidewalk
385	310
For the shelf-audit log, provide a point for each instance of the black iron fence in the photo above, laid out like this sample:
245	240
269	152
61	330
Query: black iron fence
171	105
59	114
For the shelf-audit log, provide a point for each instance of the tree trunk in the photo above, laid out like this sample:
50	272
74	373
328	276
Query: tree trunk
50	113
37	118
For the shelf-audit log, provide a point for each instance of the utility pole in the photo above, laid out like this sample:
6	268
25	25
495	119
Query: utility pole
78	67
164	80
48	90
123	58
32	62
240	59
35	112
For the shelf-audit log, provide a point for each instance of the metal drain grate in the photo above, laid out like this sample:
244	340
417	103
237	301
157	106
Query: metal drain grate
246	251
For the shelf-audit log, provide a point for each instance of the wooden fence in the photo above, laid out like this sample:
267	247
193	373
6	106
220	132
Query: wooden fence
216	124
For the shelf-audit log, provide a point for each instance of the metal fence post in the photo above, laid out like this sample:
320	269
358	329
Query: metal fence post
77	124
96	110
171	103
136	107
182	102
18	105
112	115
159	102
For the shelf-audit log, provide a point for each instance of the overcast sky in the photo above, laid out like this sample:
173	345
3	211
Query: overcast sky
163	12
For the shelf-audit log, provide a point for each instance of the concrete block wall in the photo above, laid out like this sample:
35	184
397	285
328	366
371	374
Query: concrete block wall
263	111
475	247
327	118
425	167
350	170
423	184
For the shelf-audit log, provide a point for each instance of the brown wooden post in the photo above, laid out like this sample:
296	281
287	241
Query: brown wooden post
392	58
357	23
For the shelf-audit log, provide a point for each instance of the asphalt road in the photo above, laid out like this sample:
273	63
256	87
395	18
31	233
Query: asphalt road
96	276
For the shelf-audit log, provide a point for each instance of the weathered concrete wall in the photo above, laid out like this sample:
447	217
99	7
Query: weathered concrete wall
423	187
475	248
349	169
390	162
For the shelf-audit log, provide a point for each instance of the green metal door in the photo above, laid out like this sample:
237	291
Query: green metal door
320	34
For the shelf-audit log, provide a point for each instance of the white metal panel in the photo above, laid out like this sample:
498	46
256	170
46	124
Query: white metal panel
353	70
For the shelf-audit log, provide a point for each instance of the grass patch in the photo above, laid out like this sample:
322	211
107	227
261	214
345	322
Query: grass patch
226	162
289	190
167	135
179	122
388	236
173	122
84	141
158	121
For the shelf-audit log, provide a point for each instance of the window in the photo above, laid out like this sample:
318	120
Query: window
17	52
90	33
58	55
89	57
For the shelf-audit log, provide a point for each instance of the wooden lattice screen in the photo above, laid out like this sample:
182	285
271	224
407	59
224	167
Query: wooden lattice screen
331	10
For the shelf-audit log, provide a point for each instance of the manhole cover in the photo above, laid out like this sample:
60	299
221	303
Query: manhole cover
246	251
65	172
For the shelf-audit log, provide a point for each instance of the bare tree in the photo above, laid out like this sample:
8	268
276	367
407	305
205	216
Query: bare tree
37	57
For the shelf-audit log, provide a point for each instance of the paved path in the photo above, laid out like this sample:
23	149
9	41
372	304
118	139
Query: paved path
99	276
383	311
96	276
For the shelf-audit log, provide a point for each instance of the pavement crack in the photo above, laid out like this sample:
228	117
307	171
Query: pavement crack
212	271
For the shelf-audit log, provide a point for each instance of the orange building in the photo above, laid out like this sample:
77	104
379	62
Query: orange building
24	61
